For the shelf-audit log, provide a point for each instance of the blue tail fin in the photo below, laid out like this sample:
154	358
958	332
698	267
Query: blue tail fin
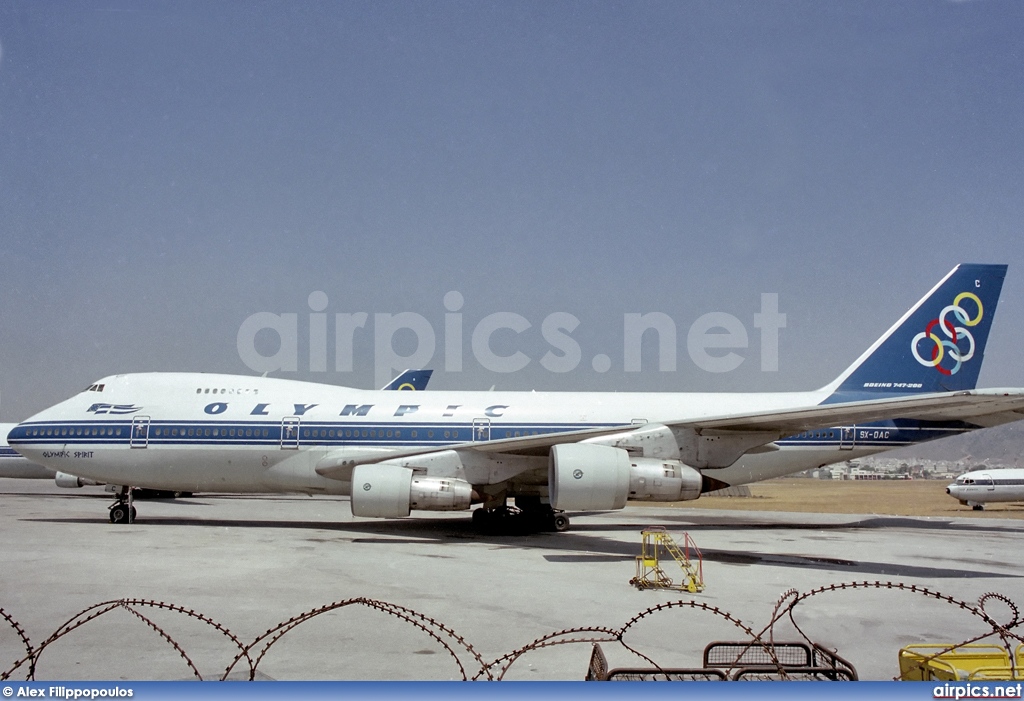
410	379
936	347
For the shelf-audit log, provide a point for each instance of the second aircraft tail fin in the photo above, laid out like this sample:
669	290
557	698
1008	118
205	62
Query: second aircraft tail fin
410	380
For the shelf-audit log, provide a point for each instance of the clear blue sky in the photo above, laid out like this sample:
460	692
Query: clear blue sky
169	169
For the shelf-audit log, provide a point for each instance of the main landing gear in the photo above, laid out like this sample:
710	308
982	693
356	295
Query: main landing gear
511	520
122	510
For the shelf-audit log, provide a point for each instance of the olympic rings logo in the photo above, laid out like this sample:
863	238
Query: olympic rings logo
949	346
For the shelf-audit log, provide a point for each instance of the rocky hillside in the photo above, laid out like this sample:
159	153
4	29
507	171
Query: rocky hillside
1002	445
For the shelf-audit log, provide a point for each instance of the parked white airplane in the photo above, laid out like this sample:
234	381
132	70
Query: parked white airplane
12	464
551	452
977	488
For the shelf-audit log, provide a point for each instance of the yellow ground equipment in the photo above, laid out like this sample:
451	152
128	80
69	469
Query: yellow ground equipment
972	662
657	549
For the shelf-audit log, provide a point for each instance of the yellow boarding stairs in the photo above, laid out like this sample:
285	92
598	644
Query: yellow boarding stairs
657	548
972	662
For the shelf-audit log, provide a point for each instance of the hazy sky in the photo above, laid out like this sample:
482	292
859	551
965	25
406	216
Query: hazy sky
169	169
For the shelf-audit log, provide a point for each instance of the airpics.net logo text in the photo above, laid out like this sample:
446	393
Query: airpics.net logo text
714	342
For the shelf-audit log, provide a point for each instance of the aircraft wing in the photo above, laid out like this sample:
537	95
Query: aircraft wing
735	434
338	465
986	407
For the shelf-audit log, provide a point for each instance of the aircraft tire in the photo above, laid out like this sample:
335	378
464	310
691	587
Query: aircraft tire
560	522
119	513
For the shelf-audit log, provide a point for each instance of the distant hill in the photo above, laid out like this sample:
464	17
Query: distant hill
1002	445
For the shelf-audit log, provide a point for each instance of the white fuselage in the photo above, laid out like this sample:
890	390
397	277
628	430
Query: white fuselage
984	486
223	433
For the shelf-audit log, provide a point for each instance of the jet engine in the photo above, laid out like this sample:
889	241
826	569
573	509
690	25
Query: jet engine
391	491
585	477
651	479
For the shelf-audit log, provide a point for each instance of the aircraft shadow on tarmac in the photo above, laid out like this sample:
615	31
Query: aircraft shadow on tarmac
690	520
584	543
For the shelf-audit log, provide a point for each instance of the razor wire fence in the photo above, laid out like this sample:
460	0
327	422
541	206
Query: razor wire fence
244	658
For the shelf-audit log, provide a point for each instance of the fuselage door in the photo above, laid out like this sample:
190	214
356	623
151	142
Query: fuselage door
481	430
847	437
140	432
985	480
290	433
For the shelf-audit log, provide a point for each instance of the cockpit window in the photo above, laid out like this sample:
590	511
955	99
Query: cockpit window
94	388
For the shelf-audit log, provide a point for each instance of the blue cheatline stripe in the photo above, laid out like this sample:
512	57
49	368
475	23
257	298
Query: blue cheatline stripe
877	435
399	434
272	433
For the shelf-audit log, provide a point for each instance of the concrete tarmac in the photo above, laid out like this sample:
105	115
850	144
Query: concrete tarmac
250	563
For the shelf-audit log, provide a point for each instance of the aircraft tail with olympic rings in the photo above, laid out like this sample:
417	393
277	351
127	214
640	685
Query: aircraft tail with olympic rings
937	346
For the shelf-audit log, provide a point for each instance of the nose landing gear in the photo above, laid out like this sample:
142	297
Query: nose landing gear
122	510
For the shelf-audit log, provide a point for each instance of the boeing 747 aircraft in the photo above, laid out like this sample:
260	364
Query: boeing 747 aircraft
550	452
